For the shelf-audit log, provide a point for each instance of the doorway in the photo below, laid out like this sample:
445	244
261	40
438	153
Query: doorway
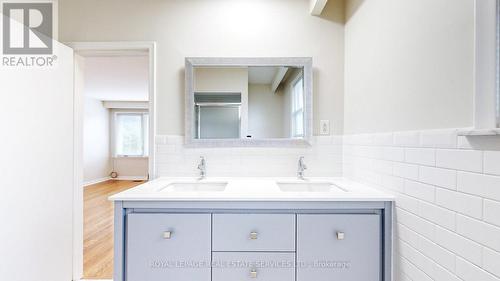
114	136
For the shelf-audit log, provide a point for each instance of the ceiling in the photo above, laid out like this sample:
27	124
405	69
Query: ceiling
261	74
117	78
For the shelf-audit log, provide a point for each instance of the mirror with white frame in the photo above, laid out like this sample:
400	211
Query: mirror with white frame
248	101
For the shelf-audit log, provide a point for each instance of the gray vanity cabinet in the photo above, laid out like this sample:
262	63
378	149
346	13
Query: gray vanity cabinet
164	247
253	266
343	247
254	232
245	241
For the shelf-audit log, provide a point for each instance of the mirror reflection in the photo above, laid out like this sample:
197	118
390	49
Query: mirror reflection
257	102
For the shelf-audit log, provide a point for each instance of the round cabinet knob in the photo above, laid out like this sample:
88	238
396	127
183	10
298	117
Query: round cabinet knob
253	235
340	235
253	273
167	234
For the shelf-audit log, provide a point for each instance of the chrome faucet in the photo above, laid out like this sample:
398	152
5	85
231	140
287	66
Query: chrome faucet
202	167
301	168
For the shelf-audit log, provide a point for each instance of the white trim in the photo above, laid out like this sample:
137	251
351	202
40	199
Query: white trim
96	181
485	64
498	64
78	106
125	104
128	157
278	78
113	53
130	178
316	7
98	47
481	132
115	47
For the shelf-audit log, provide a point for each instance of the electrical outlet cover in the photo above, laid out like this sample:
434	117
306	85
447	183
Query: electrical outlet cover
324	127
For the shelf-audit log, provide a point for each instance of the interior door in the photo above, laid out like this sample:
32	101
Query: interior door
36	168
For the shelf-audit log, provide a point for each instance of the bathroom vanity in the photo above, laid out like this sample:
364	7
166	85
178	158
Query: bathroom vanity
235	229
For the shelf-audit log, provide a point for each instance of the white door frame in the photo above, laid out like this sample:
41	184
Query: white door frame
111	48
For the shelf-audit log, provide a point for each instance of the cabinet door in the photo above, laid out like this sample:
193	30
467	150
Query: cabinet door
247	266
343	247
173	247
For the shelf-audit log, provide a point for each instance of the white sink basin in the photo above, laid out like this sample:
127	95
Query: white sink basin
195	186
309	187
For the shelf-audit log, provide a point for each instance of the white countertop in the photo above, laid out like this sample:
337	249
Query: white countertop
251	189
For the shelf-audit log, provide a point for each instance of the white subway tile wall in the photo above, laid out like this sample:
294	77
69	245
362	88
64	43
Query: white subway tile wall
492	162
447	190
323	158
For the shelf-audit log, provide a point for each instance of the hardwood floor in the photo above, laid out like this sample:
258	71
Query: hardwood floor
98	228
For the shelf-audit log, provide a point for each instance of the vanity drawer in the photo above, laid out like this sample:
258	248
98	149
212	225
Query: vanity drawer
160	246
348	245
253	266
253	232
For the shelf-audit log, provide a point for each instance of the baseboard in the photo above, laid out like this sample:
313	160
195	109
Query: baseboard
91	182
130	178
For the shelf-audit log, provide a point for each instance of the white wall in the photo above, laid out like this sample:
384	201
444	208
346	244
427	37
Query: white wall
261	109
36	204
265	112
131	168
111	78
233	80
96	141
124	78
408	64
217	28
447	191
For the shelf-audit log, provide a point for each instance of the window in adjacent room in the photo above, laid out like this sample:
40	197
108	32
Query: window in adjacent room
298	108
131	134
